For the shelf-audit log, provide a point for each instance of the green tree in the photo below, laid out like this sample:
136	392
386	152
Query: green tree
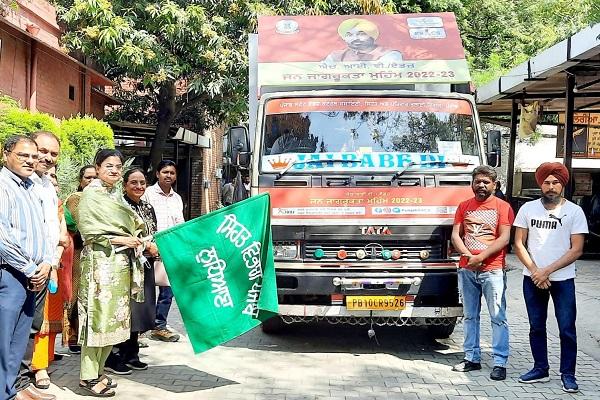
499	34
177	55
186	60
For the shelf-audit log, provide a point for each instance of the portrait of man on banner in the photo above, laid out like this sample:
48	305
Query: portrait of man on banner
360	36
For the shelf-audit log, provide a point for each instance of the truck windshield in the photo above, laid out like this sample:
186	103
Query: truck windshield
369	125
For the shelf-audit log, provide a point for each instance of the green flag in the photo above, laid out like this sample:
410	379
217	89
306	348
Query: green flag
221	270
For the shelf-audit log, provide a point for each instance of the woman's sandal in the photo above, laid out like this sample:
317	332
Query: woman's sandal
96	388
42	382
108	381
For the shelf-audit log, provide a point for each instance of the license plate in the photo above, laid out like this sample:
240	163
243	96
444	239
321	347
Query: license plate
375	302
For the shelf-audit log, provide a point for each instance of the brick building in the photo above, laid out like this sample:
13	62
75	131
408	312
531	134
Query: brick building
36	71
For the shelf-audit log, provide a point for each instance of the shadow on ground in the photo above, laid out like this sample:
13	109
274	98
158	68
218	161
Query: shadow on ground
179	378
322	337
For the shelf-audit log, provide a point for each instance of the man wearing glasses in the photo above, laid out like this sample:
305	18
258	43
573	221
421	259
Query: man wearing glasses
48	146
25	257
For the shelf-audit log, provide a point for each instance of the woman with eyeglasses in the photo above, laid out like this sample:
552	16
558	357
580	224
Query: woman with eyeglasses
111	271
142	314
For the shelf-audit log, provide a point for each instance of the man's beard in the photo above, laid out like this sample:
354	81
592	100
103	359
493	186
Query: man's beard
555	199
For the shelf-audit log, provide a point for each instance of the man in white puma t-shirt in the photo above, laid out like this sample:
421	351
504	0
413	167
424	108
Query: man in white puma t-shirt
549	238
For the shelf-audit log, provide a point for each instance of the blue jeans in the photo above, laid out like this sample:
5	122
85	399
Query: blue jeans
492	285
565	309
163	305
16	314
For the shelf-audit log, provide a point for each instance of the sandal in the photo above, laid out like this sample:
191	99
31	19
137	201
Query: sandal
96	388
42	382
108	381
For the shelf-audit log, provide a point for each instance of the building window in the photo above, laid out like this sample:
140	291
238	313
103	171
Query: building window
71	92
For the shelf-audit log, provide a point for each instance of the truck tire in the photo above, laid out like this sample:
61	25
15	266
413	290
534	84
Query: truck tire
273	326
441	331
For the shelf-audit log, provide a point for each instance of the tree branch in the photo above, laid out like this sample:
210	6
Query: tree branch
186	103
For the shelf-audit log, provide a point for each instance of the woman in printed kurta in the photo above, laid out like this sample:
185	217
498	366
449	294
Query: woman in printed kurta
111	272
142	314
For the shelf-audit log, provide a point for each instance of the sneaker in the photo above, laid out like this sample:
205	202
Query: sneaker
74	349
164	335
137	365
118	368
498	373
569	383
534	376
466	366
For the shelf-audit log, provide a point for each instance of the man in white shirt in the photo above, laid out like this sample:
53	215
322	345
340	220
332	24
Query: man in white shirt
549	239
168	207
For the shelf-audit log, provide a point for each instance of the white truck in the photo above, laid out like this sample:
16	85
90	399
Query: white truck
360	133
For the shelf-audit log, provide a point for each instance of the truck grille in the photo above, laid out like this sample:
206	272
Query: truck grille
410	250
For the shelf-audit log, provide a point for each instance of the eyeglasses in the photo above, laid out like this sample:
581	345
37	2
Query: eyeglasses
25	156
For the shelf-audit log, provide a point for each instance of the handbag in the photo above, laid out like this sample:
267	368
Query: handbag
160	274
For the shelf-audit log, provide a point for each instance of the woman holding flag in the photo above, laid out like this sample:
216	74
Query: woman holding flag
142	314
111	271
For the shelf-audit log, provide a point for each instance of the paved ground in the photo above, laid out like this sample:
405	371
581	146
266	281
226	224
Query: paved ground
331	362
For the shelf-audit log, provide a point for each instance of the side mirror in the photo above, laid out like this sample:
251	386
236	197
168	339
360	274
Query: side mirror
237	147
494	148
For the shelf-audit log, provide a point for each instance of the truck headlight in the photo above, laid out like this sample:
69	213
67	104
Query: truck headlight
285	250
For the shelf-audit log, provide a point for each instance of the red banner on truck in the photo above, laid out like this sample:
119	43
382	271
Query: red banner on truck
370	49
380	203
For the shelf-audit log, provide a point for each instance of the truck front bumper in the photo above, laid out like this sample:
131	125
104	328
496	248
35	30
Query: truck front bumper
410	311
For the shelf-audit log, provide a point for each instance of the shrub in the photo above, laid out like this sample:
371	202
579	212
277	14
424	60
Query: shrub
80	138
87	135
7	101
15	121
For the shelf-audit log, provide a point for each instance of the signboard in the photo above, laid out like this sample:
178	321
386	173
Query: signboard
586	135
358	203
362	104
370	49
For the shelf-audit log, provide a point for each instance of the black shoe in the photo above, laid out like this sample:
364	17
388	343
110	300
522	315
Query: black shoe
137	365
498	374
466	366
118	368
75	349
58	357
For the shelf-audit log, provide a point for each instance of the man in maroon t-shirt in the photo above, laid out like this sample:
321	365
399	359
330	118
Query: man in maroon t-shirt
481	233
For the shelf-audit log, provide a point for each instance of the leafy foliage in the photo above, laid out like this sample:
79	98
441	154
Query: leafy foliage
16	121
499	34
80	138
7	101
87	135
187	62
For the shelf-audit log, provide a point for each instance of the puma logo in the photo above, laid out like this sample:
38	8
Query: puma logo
552	216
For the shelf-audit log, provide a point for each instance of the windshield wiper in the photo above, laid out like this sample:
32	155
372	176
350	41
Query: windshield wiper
412	163
296	161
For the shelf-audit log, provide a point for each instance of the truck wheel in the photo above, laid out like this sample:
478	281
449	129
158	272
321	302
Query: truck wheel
441	331
273	325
